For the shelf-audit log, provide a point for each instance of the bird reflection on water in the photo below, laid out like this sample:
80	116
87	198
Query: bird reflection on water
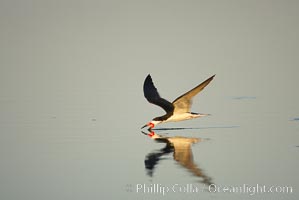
182	153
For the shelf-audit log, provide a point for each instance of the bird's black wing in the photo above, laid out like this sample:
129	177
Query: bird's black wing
152	159
152	95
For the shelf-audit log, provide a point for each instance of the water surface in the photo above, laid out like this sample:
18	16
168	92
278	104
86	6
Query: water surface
71	102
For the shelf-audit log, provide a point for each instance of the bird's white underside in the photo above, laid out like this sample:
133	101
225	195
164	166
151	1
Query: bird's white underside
180	117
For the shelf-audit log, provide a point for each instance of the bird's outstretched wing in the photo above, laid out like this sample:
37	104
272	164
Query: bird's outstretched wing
183	103
152	95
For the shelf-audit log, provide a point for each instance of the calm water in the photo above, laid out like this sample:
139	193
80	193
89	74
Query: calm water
71	102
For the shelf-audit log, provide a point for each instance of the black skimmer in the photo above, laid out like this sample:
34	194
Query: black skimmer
179	109
182	153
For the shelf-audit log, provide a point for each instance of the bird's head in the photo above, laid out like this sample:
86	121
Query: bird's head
151	124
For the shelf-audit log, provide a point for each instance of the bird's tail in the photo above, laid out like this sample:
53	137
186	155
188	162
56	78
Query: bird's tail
199	114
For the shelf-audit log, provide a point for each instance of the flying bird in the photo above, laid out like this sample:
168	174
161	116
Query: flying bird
179	109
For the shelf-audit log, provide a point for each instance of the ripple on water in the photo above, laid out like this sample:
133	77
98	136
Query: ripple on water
243	97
